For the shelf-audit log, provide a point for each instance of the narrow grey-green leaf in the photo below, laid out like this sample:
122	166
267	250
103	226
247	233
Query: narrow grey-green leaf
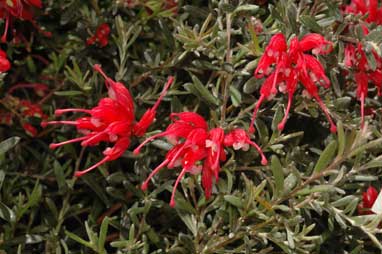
277	174
341	138
326	157
7	213
8	144
235	96
103	233
247	8
311	23
318	188
233	200
198	89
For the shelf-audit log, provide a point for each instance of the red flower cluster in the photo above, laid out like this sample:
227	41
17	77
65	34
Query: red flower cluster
197	149
368	199
363	7
101	36
19	9
355	57
25	111
292	65
112	120
5	65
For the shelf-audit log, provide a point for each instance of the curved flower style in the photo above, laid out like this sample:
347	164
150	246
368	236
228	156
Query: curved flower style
19	9
292	65
112	120
355	58
197	149
5	65
368	199
364	7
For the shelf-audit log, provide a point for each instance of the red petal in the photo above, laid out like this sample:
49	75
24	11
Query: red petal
315	42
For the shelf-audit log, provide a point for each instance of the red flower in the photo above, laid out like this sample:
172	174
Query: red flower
112	120
363	7
196	149
30	129
355	58
239	139
5	65
19	9
292	65
368	199
101	36
29	109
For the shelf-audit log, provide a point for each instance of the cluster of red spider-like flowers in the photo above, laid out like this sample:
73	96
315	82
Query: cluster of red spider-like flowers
23	109
366	7
284	67
112	121
101	36
198	149
355	58
19	9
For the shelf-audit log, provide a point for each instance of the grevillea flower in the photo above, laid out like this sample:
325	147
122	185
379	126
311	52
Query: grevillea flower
355	58
101	36
197	149
284	67
5	65
368	199
363	7
19	9
112	121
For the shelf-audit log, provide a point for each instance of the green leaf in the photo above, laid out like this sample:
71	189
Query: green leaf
277	174
8	144
7	213
199	90
235	96
341	138
190	221
311	23
247	8
2	177
326	157
68	93
78	239
314	189
367	146
103	233
278	116
233	200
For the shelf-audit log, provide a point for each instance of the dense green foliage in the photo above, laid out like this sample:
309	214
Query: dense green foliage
304	201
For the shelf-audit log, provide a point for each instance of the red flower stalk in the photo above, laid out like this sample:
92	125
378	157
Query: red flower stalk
355	58
364	7
19	9
112	120
5	65
101	36
368	199
197	149
39	89
290	66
